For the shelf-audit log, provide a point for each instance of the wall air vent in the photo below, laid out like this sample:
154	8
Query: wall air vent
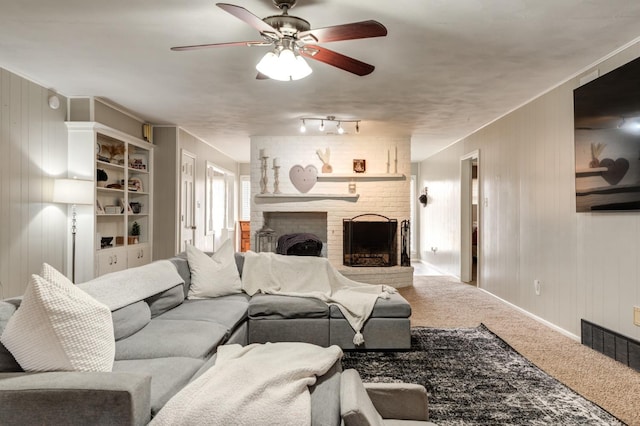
611	344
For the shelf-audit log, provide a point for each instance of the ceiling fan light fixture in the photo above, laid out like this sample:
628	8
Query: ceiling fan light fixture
268	64
302	69
287	59
283	65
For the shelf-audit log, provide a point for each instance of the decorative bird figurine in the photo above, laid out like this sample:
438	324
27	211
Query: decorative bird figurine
325	158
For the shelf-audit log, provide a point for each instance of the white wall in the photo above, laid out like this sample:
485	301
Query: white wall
587	262
33	150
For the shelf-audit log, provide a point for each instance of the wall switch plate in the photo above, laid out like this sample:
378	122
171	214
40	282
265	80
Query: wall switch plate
537	286
636	315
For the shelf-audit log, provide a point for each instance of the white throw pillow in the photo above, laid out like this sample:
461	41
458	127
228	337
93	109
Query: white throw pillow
59	327
213	276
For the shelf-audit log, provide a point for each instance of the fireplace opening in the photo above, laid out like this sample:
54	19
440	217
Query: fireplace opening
370	240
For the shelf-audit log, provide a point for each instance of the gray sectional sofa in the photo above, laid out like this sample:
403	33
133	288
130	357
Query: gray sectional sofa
165	341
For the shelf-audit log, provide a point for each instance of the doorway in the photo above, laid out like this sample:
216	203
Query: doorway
187	200
470	218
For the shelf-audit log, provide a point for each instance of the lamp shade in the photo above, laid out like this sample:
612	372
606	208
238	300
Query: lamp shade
73	191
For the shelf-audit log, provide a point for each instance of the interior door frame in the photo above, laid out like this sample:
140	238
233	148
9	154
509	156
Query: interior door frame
183	153
466	215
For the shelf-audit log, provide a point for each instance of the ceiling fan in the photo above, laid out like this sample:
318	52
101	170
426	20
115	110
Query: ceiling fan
292	39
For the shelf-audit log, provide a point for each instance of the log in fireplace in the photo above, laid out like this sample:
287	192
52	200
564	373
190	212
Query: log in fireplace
370	240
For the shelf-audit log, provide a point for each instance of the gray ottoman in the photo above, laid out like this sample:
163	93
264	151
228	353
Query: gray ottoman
388	327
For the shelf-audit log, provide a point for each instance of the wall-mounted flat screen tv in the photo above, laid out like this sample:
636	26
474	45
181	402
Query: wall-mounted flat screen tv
607	141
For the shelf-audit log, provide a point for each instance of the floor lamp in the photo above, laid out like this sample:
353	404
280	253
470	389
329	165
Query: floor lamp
73	191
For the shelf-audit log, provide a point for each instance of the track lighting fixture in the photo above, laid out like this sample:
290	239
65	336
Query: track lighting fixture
339	123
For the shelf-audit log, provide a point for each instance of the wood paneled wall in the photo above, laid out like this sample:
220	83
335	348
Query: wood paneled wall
33	150
588	263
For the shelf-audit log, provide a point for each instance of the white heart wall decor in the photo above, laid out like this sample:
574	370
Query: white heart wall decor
303	178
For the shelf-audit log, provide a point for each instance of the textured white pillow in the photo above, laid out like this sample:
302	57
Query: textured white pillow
213	276
59	327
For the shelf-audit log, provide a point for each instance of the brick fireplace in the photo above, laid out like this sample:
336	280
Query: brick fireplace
324	207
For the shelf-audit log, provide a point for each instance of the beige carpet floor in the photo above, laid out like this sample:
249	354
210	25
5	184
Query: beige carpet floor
444	302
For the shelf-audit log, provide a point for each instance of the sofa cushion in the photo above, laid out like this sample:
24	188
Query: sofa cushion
130	319
182	266
325	397
395	306
168	375
239	256
273	306
7	362
172	338
356	407
59	327
213	276
168	299
228	311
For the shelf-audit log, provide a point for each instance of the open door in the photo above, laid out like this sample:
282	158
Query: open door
187	200
470	217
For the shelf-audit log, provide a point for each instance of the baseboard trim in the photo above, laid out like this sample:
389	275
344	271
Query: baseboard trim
434	267
537	318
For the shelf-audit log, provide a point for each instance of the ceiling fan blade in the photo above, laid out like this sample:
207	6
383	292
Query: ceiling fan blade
337	60
355	30
248	17
233	43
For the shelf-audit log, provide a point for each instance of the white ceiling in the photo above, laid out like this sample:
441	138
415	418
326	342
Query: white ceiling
446	68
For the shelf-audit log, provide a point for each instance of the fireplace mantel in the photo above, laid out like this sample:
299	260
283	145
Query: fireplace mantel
295	197
360	176
377	191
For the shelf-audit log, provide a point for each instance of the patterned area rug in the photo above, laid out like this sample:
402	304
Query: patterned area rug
475	378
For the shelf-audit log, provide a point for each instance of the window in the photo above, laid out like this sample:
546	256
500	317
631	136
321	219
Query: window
219	200
245	197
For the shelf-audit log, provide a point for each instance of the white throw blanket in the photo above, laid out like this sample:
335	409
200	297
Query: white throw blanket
258	384
122	288
306	276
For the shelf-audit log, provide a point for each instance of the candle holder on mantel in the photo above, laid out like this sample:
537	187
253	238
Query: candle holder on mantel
276	180
395	161
264	179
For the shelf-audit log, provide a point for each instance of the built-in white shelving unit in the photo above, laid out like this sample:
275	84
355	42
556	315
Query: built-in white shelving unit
121	167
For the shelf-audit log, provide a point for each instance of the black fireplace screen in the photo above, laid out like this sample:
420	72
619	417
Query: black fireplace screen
370	242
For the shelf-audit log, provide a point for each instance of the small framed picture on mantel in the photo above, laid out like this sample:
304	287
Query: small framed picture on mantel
359	166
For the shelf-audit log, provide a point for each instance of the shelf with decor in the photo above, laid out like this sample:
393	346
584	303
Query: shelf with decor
308	196
121	167
360	176
591	170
